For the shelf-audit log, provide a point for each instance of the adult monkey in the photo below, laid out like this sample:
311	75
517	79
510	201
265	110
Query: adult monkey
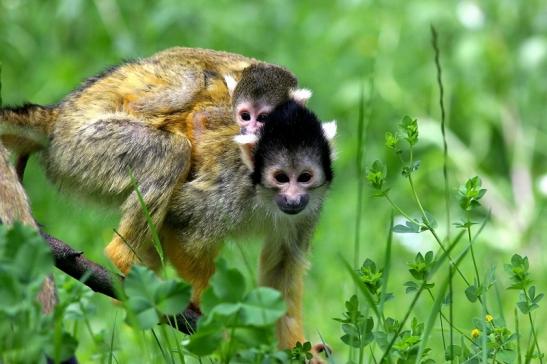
142	117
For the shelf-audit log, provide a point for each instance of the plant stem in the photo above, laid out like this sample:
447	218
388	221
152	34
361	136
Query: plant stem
433	232
443	126
468	223
438	239
517	331
449	321
528	300
402	324
359	169
417	199
397	208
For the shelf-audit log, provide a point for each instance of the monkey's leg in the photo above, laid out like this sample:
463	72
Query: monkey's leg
195	263
100	158
283	268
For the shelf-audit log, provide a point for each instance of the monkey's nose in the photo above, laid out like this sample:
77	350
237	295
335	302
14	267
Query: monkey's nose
292	206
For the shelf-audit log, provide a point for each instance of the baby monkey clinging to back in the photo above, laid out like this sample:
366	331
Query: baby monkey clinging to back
261	88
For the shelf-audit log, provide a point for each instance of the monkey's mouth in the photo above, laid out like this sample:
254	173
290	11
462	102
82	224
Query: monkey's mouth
292	206
291	211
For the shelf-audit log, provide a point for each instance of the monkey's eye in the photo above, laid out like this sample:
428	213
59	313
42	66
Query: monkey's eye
281	177
261	117
245	115
305	177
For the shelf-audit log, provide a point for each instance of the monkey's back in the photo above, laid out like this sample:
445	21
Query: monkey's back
165	85
170	91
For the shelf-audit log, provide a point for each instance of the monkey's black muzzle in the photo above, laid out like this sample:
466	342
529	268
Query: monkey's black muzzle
292	206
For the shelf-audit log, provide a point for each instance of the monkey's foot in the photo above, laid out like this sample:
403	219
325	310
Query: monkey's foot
316	350
121	255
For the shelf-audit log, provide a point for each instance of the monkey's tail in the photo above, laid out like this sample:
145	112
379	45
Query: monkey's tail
25	129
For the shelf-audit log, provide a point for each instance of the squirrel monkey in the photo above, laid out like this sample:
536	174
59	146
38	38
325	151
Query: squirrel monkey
169	120
144	117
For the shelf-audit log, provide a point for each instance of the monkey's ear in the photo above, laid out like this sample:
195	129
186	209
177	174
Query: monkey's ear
329	129
247	145
300	95
231	83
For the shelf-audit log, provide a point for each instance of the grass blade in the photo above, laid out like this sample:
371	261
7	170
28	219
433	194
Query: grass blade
387	266
151	225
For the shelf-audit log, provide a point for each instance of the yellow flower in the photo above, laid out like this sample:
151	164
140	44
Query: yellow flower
488	318
475	333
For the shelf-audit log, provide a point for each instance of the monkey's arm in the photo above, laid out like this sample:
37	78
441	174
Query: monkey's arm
283	263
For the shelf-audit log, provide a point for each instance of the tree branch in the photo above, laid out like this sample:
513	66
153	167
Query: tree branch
101	280
14	206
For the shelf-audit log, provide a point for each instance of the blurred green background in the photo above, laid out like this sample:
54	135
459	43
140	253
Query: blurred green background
494	58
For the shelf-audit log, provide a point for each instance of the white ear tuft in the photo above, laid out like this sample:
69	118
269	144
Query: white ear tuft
231	83
300	95
246	139
329	129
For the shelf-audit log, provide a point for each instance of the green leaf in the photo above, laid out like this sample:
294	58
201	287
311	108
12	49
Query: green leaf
364	290
470	194
411	286
172	297
142	313
140	282
409	128
410	227
205	341
472	293
66	350
262	306
147	296
29	255
392	141
224	314
376	175
226	285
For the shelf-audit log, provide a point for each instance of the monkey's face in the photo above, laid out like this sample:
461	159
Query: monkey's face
251	116
293	181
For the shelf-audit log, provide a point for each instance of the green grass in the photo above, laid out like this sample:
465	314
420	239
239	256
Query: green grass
368	63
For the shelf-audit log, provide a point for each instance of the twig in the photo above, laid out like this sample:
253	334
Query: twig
101	280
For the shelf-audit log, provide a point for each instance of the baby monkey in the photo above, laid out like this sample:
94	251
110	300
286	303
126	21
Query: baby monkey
261	88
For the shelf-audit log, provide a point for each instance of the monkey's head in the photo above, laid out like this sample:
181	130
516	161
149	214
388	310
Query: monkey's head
261	88
291	161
